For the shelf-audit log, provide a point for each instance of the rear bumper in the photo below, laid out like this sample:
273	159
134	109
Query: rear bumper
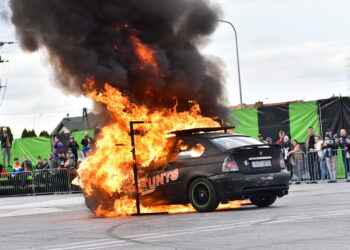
237	186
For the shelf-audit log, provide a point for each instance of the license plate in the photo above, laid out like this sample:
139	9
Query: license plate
261	164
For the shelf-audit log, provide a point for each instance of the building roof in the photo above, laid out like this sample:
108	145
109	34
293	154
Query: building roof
77	123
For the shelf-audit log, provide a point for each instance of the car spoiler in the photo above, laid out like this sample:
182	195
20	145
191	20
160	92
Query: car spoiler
276	146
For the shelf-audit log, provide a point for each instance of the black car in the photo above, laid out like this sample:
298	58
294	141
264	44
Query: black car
205	167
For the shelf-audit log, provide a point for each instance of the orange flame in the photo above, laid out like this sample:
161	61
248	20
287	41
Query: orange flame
110	167
145	54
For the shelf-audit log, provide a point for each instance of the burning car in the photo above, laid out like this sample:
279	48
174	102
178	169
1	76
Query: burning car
205	168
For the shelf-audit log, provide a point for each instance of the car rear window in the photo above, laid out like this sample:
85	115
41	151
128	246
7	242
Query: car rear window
227	143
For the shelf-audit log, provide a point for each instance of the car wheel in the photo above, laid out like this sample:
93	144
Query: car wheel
263	201
203	196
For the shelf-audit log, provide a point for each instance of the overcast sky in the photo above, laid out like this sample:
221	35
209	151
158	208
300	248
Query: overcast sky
289	50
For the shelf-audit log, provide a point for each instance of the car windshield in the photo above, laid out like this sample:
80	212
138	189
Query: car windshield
230	142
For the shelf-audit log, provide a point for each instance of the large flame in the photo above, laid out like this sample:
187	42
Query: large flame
109	166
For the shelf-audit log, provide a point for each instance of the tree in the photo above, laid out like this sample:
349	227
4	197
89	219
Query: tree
24	133
44	133
28	133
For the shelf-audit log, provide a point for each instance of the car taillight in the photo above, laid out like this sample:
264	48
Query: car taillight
229	165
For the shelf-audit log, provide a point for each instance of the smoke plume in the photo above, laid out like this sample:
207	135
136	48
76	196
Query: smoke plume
98	39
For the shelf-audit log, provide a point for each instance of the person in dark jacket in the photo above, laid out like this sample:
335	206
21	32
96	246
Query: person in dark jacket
311	154
6	144
86	140
26	164
74	146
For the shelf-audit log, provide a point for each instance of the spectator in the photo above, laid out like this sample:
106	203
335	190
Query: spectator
58	147
286	147
86	140
17	168
281	135
45	164
331	158
86	149
70	163
348	157
39	164
321	155
296	159
26	164
268	140
261	138
81	158
72	155
345	151
61	160
311	154
6	143
53	164
74	146
16	173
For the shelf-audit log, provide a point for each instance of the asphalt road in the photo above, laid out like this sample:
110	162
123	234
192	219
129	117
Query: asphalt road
313	216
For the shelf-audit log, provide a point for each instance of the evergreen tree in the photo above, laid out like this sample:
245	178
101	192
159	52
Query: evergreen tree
25	133
44	133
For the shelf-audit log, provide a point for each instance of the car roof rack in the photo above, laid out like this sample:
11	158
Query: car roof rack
201	130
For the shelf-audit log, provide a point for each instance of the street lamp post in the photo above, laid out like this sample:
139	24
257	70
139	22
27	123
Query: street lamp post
238	65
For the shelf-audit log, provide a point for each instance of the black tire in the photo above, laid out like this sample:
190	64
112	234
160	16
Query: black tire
263	201
203	196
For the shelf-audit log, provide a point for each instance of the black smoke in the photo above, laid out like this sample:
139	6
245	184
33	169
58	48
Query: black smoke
89	39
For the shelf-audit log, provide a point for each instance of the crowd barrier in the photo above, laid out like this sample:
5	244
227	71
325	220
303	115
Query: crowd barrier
38	182
308	167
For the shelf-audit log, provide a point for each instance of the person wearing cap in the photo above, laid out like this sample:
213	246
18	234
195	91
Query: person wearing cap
6	144
344	143
268	140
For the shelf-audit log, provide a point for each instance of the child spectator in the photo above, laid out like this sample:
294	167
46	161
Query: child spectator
17	168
